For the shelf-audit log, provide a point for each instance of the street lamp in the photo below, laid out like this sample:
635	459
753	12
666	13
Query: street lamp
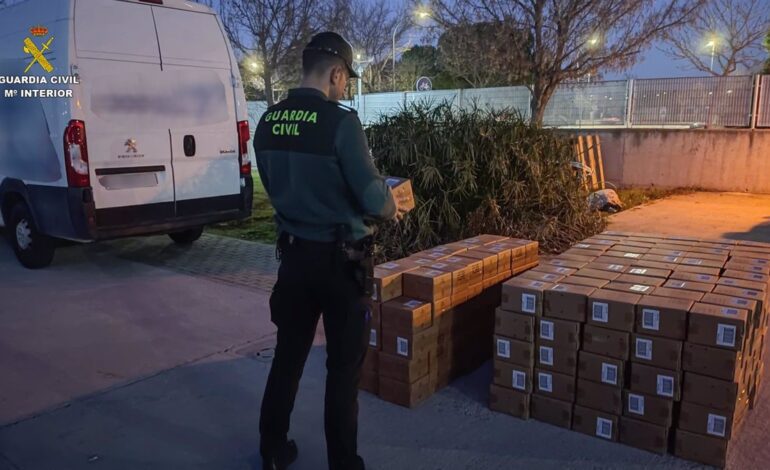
713	45
421	13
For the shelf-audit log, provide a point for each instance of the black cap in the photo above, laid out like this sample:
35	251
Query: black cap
332	43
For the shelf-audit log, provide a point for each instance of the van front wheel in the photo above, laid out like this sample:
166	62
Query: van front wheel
187	237
33	249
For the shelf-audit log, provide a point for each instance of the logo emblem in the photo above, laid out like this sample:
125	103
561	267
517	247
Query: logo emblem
38	53
130	146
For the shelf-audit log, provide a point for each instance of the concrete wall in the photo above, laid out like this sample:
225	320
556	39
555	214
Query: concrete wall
722	160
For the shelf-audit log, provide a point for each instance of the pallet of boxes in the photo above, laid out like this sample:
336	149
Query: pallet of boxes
433	314
653	341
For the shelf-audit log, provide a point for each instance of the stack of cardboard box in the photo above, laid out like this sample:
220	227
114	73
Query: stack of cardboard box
653	341
432	314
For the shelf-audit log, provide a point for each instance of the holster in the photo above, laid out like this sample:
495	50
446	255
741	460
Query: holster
360	254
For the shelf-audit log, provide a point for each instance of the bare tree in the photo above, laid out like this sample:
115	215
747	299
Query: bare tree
730	31
572	38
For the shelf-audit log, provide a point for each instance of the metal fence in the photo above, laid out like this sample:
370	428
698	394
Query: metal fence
712	102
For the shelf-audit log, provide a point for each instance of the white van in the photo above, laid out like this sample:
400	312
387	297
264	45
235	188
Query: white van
152	136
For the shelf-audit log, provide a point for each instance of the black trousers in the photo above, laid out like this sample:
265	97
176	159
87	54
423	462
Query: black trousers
313	278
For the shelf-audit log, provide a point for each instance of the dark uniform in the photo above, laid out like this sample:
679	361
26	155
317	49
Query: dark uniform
315	164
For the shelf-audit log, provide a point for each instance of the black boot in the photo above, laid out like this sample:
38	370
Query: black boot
280	459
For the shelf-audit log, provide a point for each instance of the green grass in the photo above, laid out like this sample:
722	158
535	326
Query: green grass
633	197
260	227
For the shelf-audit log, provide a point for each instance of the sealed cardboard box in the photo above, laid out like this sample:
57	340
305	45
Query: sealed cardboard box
614	310
747	267
656	381
618	268
666	251
638	279
711	392
403	369
758	295
632	247
647	272
556	359
698	269
709	421
516	352
598	274
606	342
512	376
461	277
405	394
504	255
375	325
659	352
678	294
540	276
702	262
409	345
550	269
450	248
662	316
554	385
564	263
388	279
654	264
712	362
601	369
516	326
694	277
718	326
649	408
431	255
560	334
689	285
630	288
427	284
580	258
551	411
704	449
601	247
585	281
567	302
402	191
754	285
485	239
504	400
524	296
584	252
756	277
488	260
643	435
472	269
595	423
404	315
600	397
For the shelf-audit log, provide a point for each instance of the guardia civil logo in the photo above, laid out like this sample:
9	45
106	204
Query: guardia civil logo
36	52
288	120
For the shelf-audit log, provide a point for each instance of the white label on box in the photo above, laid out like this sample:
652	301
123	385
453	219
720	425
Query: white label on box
473	240
632	255
388	266
741	302
546	330
703	277
439	265
504	348
546	355
677	284
559	287
616	267
644	349
582	245
651	319
455	259
672	259
562	270
519	380
728	281
402	346
639	288
665	386
696	262
528	303
392	181
375	292
373	337
433	272
726	335
550	277
604	428
545	382
636	404
638	271
609	374
412	304
536	284
423	262
729	311
600	312
717	425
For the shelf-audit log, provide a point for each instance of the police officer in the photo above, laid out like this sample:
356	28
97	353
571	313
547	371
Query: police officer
315	164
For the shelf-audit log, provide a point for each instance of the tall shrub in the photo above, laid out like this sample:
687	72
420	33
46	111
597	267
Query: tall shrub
477	171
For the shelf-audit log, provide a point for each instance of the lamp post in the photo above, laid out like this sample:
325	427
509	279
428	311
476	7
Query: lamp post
422	13
713	45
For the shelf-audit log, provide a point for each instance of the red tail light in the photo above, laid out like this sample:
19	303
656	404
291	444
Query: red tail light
76	154
243	147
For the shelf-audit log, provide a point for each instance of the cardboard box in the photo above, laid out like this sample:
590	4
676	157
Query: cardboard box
554	385
564	263
406	370
759	295
427	284
689	285
404	394
560	334
614	310
632	247
712	362
698	270
567	302
512	376
550	269
551	411
718	326
736	265
728	301
516	352
388	279
504	400
606	342
756	277
666	252
561	360
472	269
524	296
375	325
599	397
516	326
662	316
409	345
583	252
584	281
694	277
661	258
540	276
655	265
754	285
402	192
646	272
702	262
643	435
601	369
709	421
640	289
595	423
488	260
711	392
598	274
601	246
638	279
707	450
485	239
659	352
649	408
580	258
504	254
678	294
656	381
404	315
619	268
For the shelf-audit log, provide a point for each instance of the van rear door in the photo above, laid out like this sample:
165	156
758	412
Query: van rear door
202	120
125	103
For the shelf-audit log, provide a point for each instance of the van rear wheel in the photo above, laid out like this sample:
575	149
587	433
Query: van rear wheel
33	249
187	237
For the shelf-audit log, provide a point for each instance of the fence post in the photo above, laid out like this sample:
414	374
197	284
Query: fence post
629	102
755	101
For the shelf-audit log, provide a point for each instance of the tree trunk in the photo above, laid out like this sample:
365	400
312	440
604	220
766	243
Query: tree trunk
266	76
541	95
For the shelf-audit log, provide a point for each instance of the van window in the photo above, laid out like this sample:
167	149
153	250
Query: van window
110	29
189	38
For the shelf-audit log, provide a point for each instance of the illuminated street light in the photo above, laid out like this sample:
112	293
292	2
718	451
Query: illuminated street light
713	45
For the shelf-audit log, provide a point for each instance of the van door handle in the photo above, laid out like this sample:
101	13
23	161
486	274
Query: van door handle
189	146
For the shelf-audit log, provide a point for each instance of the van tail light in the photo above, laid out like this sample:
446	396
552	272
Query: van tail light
243	147
76	154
